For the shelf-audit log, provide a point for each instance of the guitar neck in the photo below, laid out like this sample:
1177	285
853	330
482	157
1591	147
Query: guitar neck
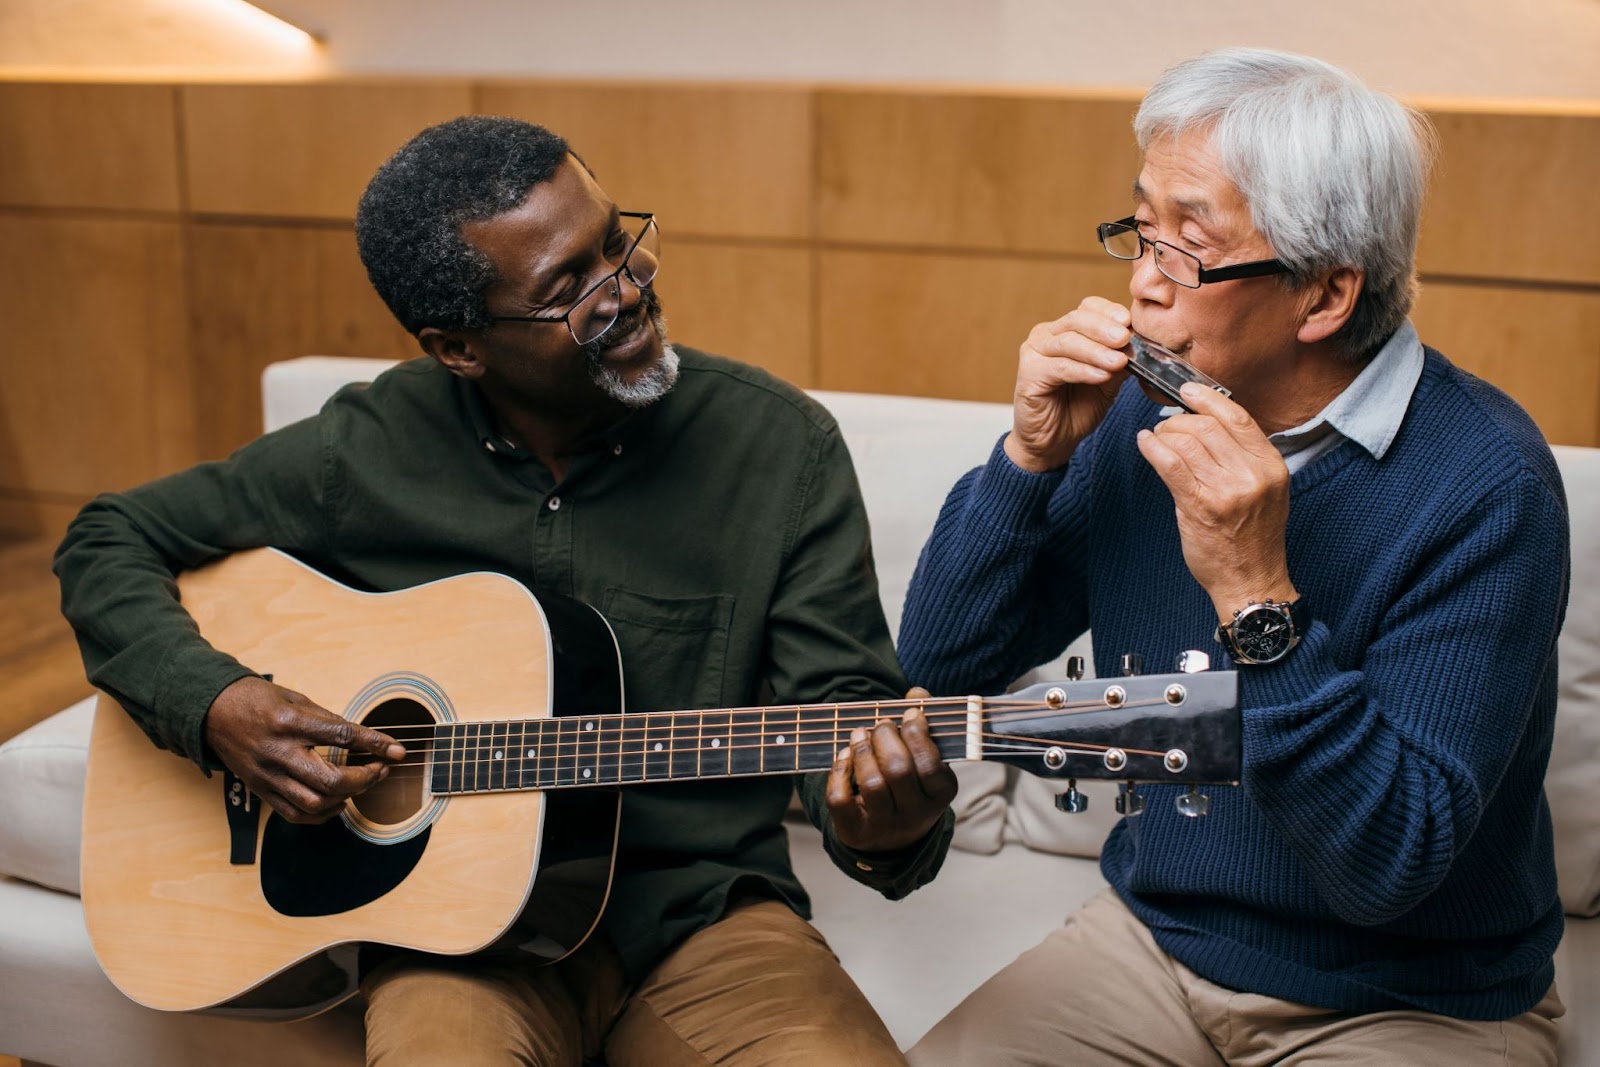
581	751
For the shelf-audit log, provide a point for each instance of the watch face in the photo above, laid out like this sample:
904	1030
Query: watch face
1263	633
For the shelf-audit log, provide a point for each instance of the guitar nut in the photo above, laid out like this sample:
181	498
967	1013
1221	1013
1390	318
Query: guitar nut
1116	696
1115	759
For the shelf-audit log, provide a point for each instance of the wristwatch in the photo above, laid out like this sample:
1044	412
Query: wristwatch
1265	631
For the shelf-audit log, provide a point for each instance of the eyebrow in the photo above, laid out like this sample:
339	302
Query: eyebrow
541	286
1200	210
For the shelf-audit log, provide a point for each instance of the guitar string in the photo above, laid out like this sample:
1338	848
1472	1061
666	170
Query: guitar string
958	703
958	709
1005	742
570	744
474	768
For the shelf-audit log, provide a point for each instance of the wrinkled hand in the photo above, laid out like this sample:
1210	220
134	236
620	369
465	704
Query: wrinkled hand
1231	490
1068	374
889	785
267	735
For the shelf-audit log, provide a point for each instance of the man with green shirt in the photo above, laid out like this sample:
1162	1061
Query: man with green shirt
708	510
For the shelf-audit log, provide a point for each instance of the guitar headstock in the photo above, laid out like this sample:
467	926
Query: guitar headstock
1156	728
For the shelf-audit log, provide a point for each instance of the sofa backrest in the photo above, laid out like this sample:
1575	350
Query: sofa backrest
909	451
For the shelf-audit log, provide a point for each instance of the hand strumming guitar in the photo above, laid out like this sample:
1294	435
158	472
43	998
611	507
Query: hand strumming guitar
889	785
267	735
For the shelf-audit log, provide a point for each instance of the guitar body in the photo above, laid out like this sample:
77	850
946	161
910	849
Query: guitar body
498	831
197	898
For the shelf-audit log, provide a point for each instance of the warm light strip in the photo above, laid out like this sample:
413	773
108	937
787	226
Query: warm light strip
275	25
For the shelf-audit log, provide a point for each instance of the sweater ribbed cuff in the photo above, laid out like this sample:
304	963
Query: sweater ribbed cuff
1014	503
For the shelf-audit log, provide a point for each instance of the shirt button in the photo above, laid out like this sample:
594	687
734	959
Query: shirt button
616	450
863	866
554	503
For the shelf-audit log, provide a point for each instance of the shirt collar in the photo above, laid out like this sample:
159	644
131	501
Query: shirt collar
1370	409
628	430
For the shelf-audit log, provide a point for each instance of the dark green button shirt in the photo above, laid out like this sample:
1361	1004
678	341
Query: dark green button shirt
720	531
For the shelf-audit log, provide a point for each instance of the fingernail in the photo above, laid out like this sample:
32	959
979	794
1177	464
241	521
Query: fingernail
844	754
858	735
1145	433
1190	389
913	714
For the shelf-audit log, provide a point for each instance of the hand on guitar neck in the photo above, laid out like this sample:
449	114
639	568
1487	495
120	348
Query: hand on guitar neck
889	785
268	736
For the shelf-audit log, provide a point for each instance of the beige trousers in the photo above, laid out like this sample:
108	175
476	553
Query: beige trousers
1099	990
759	987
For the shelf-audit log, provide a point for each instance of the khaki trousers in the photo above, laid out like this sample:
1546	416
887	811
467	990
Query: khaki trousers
1099	990
760	986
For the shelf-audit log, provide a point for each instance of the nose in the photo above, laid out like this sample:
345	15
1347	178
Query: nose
1148	285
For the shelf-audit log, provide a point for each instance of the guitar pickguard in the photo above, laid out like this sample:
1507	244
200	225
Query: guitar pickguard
325	869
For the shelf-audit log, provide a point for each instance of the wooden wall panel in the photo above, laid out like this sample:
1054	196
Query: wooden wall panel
1540	345
96	391
33	517
948	170
943	325
263	294
745	302
91	146
718	161
302	151
1514	196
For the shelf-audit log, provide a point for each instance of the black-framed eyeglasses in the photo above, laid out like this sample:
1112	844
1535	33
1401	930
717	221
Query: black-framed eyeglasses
1122	240
596	310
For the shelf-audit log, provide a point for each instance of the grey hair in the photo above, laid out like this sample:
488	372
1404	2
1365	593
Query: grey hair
1334	172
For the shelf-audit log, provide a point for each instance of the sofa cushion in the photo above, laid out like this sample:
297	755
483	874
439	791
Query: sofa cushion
1573	781
908	452
41	798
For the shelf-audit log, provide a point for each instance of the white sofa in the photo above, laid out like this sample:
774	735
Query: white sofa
1020	867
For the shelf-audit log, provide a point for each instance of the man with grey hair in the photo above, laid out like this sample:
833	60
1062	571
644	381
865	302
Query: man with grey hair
1376	540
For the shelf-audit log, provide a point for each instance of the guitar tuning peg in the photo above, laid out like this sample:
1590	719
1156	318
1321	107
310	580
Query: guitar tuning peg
1072	802
1075	668
1129	802
1132	664
1193	804
1193	662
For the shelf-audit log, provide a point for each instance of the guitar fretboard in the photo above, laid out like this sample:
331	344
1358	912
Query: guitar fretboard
576	751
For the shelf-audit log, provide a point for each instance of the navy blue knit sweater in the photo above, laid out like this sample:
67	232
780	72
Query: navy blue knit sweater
1390	845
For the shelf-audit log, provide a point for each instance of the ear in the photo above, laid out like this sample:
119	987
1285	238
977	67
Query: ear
454	351
1331	302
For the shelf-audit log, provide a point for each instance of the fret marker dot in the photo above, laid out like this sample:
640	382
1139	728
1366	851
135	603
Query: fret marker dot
780	739
588	726
533	753
658	746
586	772
716	742
499	754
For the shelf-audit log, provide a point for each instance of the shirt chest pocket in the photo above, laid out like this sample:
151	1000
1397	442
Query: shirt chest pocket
674	649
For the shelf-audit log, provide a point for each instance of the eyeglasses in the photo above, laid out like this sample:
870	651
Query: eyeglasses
596	310
1122	240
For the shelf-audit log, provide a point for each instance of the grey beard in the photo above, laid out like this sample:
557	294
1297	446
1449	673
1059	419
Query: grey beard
650	386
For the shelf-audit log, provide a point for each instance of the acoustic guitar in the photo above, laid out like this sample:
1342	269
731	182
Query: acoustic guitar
498	829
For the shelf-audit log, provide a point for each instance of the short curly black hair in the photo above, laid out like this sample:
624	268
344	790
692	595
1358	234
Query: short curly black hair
409	221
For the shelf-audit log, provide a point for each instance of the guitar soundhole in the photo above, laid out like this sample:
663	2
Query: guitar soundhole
401	795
